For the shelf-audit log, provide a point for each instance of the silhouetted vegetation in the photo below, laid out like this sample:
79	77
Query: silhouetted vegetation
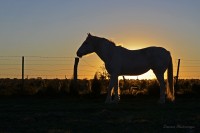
96	86
188	87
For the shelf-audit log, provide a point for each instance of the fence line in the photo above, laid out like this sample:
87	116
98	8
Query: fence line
62	67
44	67
190	68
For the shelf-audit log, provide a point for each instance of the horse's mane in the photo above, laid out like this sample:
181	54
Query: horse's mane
109	41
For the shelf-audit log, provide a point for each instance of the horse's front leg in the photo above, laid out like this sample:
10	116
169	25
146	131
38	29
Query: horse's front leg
113	81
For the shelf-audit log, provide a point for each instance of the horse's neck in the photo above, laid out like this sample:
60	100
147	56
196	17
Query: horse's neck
104	51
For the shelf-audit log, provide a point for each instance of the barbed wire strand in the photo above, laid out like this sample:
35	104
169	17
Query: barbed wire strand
34	61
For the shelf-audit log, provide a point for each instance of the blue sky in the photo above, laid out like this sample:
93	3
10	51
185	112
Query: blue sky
58	27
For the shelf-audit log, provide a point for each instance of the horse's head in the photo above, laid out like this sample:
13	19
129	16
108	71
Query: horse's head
87	47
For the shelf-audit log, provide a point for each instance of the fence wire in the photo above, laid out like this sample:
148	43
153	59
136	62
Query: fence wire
62	67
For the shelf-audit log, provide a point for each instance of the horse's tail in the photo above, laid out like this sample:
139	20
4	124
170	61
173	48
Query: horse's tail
170	83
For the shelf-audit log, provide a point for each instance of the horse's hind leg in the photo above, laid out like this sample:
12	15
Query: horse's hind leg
160	77
112	83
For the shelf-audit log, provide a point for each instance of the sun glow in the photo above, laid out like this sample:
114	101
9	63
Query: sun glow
147	75
137	45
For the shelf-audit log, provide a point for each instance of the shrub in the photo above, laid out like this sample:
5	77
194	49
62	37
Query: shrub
65	87
74	87
96	85
153	89
196	89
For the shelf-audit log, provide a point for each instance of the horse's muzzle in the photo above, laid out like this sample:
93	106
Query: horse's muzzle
79	54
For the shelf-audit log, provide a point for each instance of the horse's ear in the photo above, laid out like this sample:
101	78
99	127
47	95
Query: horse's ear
89	34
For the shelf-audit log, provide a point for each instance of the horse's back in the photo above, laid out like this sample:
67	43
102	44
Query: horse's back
146	53
142	60
158	58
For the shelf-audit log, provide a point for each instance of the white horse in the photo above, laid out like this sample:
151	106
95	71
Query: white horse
121	61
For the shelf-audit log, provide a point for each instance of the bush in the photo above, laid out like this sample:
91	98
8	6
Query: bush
10	87
153	89
96	85
65	87
74	87
196	89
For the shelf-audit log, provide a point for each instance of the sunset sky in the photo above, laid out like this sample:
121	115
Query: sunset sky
56	28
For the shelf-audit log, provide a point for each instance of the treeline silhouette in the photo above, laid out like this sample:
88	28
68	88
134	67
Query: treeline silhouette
94	87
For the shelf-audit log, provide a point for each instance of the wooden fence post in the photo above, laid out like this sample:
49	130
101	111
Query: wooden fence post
177	74
76	68
22	72
74	84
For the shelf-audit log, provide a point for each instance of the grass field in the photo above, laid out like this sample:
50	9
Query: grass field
87	115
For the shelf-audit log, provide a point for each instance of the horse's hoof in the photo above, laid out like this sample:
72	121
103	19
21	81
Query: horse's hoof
161	101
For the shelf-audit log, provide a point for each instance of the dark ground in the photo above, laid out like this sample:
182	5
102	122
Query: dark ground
87	115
